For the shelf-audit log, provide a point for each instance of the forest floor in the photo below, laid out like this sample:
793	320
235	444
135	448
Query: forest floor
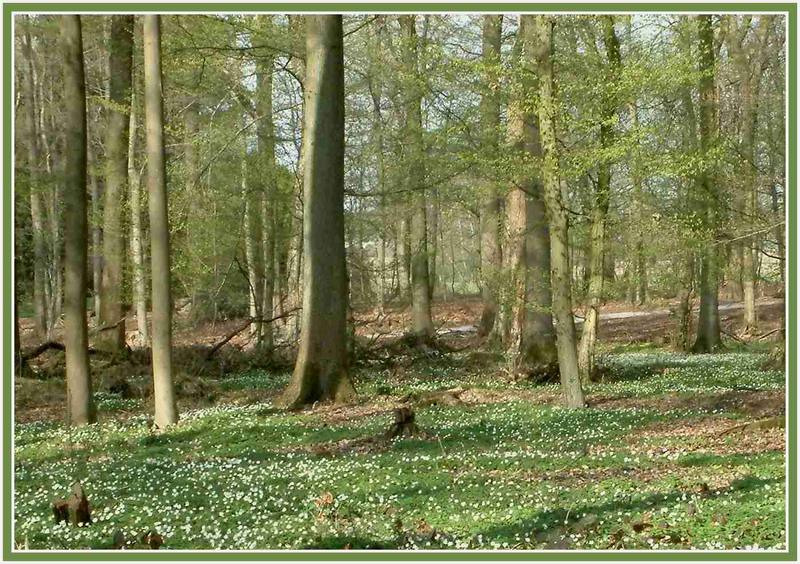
676	452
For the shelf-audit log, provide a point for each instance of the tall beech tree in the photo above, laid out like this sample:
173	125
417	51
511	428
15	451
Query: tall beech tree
531	340
708	326
76	342
166	412
138	278
491	255
321	371
120	65
602	197
560	273
422	324
34	165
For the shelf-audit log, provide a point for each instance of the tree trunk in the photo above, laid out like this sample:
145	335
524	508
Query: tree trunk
600	211
269	193
560	274
749	74
708	326
166	412
97	241
321	371
422	324
253	254
640	262
120	68
37	211
403	258
138	280
376	94
530	341
76	342
491	257
539	354
433	241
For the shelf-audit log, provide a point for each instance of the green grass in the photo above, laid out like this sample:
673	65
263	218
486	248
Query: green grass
505	475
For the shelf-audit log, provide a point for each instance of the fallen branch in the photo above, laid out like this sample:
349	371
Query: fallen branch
778	422
734	337
765	335
250	321
101	328
47	346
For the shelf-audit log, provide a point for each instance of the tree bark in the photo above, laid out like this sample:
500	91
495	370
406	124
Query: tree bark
269	192
37	210
97	242
321	371
138	278
76	342
422	324
640	261
253	252
120	69
600	208
491	255
166	412
560	274
708	326
531	342
749	70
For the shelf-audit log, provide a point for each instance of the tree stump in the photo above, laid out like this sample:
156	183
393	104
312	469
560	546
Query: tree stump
74	509
404	425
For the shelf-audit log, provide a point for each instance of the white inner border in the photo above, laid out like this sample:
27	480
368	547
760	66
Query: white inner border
789	274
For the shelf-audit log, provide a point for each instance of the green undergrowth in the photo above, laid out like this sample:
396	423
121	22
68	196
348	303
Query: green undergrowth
517	474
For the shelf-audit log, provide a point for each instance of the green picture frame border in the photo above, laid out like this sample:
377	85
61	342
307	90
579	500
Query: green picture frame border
790	9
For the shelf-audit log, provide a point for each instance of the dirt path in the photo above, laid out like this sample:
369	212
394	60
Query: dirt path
657	317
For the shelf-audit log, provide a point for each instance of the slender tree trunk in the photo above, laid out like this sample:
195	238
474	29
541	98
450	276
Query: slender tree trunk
194	215
37	210
491	255
55	274
138	279
166	412
403	257
252	258
708	327
76	342
97	242
640	261
376	93
749	75
560	274
269	192
600	212
321	371
685	261
120	68
433	241
422	324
